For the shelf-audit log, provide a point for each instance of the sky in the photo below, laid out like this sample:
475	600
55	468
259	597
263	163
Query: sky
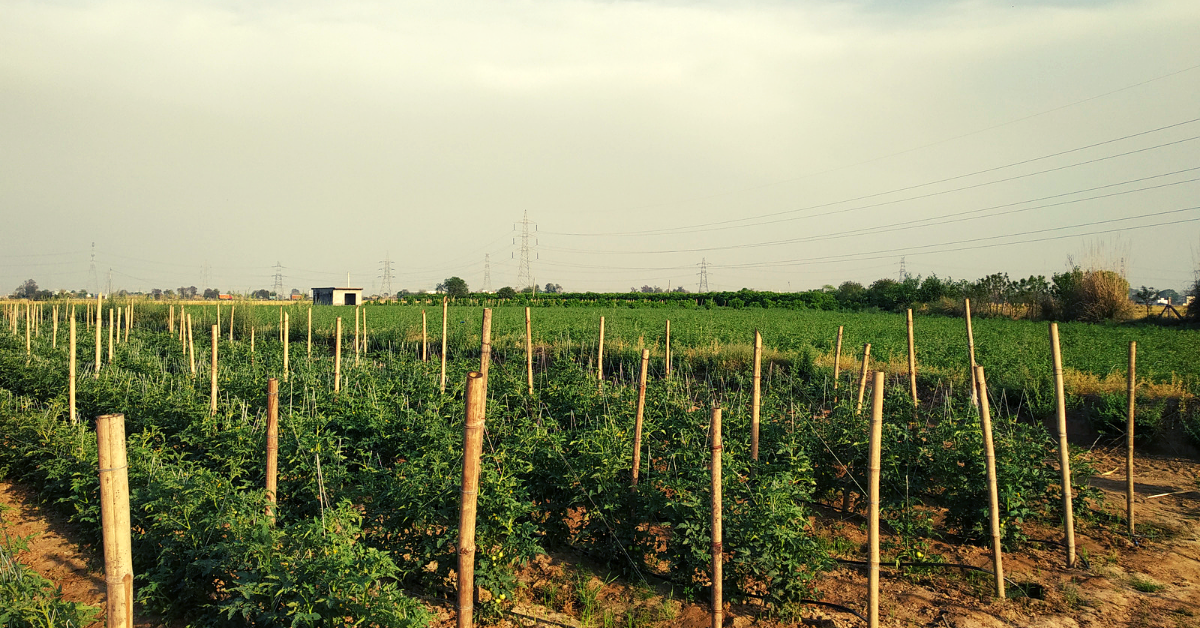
765	144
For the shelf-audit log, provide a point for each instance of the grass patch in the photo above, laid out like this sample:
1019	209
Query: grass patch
1144	584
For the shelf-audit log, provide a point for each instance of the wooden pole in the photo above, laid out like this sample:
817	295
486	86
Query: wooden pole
600	354
485	348
120	323
364	334
71	372
29	330
637	421
667	348
989	453
337	357
472	448
424	338
54	337
171	319
756	396
218	308
718	605
873	502
356	335
231	309
837	363
272	446
445	317
971	352
128	320
310	332
252	344
287	332
191	345
212	405
529	351
111	330
114	517
1064	453
862	378
280	328
1132	386
912	359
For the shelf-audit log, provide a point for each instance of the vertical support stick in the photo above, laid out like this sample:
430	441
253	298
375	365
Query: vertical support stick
357	339
756	396
252	344
54	338
171	319
114	517
99	323
128	320
424	338
287	341
337	356
529	351
231	309
112	327
212	404
862	378
310	332
837	363
600	354
667	348
989	453
718	578
445	316
971	352
191	345
272	446
71	372
485	347
29	329
912	359
1132	386
364	334
1064	453
637	421
873	502
218	308
472	448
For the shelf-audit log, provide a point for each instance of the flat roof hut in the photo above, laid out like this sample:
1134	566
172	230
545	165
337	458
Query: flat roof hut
337	296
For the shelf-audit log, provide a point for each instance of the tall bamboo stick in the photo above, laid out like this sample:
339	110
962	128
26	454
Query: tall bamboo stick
191	345
637	421
364	334
971	352
472	448
54	337
1064	453
128	320
718	578
873	502
667	348
29	330
171	319
252	344
231	309
356	335
272	446
485	347
71	372
912	358
445	318
114	517
756	396
337	357
120	323
529	351
310	332
287	332
111	330
600	354
1132	386
862	378
837	363
989	453
218	308
216	333
424	338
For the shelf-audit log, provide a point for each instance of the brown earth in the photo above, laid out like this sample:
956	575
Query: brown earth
1153	583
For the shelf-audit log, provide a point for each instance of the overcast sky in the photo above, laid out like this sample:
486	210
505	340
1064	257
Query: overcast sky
787	144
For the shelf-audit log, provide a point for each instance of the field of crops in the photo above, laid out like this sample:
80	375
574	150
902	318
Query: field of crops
369	477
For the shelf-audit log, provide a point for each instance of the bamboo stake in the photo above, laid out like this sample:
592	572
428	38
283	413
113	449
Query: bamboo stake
337	357
28	330
120	324
310	332
114	517
272	446
667	348
756	396
1064	453
128	321
287	332
971	352
252	344
445	316
873	502
71	373
216	332
1132	386
111	328
364	334
280	328
218	308
912	359
600	354
485	348
171	319
989	453
424	338
529	351
637	422
356	336
862	378
837	363
718	605
231	310
191	345
472	448
54	337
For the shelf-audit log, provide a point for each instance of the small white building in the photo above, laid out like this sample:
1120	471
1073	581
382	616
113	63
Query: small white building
337	296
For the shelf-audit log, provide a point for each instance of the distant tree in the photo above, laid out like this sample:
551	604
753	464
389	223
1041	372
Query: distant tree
851	294
506	293
1170	295
402	293
1146	297
680	289
27	290
260	294
157	293
168	293
191	292
211	293
553	288
651	289
295	292
455	287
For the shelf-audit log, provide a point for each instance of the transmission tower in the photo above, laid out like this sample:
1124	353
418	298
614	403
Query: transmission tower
487	272
278	288
206	275
93	280
108	288
703	275
524	273
386	277
903	272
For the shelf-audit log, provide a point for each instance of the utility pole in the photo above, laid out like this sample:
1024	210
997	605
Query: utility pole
703	275
93	279
487	272
386	277
278	289
524	273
